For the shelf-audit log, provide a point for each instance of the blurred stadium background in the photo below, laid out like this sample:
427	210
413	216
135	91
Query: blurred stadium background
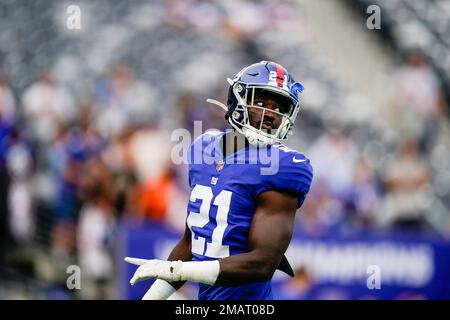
85	138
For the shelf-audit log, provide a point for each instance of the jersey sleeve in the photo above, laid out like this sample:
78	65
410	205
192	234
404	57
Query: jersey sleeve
294	176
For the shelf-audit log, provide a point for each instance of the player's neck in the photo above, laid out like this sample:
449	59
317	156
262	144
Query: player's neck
232	142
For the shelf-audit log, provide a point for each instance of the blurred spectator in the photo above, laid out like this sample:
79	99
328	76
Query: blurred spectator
175	13
334	158
162	200
127	199
20	166
4	189
95	235
245	19
67	205
419	99
365	199
125	101
47	104
407	181
156	196
204	15
321	211
69	156
7	103
189	109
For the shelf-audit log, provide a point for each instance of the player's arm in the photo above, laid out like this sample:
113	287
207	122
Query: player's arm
270	235
182	251
161	289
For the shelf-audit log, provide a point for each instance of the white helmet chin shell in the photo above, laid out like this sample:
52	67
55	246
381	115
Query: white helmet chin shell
256	139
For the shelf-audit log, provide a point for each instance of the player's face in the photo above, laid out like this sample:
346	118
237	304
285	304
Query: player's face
275	105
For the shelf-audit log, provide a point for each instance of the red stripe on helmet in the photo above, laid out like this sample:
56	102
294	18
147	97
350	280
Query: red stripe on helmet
280	75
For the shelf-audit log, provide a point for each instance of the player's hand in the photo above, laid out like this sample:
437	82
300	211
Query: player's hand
160	269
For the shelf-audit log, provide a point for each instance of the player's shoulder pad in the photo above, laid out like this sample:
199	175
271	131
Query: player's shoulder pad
292	158
295	172
203	143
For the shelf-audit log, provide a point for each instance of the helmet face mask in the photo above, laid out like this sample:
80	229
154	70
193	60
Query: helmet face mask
264	108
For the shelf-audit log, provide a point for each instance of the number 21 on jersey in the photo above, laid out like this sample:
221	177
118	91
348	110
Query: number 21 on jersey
214	242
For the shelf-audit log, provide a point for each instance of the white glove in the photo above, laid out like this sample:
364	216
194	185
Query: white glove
160	269
198	271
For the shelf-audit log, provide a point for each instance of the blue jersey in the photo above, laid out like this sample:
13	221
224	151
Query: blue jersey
223	201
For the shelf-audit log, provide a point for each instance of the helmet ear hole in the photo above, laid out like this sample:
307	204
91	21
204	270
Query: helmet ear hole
239	88
237	115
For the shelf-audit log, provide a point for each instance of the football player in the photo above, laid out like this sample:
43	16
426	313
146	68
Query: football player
240	219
